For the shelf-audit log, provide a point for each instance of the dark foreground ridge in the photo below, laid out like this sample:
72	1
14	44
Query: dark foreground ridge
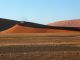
7	23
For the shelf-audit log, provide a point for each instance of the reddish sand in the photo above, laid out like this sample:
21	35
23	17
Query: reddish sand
18	28
22	29
66	23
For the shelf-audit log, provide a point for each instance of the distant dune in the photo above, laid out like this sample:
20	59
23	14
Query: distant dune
66	23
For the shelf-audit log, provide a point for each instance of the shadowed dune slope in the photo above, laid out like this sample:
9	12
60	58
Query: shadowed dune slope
6	23
66	23
60	31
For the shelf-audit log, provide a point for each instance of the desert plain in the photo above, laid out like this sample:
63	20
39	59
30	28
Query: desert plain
40	46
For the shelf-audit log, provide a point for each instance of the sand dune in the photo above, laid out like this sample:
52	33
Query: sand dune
11	26
66	23
22	29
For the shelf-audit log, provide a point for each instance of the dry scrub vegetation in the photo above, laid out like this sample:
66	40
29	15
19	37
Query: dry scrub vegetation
40	46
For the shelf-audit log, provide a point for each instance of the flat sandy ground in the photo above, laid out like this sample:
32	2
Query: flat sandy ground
40	46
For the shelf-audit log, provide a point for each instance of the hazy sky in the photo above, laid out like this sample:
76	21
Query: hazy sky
40	11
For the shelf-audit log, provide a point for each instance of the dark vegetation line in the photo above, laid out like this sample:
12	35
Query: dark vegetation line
7	23
40	48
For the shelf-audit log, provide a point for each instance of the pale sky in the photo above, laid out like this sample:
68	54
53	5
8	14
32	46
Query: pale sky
40	11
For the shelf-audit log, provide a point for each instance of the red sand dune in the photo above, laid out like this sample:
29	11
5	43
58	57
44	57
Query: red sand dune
28	27
22	29
66	23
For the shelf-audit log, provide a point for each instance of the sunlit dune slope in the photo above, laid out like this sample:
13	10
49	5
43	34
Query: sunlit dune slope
22	29
66	23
